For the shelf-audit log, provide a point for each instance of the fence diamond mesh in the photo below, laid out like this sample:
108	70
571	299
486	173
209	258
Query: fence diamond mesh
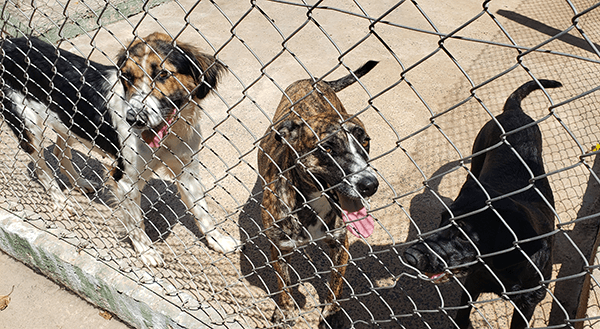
445	69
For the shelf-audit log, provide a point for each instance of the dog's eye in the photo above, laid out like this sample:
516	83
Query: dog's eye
366	142
162	75
327	147
461	237
127	77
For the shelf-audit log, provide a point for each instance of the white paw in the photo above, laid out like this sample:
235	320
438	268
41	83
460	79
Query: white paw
222	243
60	203
152	257
70	208
146	253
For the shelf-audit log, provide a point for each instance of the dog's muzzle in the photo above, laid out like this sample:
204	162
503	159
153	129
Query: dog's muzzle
420	258
354	212
358	186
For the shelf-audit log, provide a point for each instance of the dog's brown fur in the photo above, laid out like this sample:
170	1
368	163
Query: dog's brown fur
167	79
295	199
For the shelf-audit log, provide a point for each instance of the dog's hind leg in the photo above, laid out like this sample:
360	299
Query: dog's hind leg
44	174
192	194
23	117
62	151
332	317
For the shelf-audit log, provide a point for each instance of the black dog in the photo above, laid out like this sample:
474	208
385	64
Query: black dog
496	240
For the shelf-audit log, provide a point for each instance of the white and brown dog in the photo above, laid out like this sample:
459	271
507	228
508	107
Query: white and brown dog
145	114
314	164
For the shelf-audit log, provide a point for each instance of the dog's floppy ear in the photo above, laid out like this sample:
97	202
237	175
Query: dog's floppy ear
121	57
205	69
136	49
288	129
520	224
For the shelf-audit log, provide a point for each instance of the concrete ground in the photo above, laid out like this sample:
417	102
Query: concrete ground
422	121
37	302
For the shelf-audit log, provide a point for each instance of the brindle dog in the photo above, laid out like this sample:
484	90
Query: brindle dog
314	164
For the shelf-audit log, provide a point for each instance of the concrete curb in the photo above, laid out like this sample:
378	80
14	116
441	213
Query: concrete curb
138	304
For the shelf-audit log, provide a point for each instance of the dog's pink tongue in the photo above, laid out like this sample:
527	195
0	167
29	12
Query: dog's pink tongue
355	215
158	136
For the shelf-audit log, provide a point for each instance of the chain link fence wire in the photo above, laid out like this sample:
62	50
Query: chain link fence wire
445	69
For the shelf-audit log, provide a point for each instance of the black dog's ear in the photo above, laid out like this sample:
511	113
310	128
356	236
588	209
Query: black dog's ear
519	224
205	69
445	218
289	130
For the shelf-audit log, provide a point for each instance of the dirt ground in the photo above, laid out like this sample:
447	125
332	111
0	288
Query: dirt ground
422	106
37	302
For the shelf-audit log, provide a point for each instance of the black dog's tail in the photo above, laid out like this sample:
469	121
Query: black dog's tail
514	100
344	82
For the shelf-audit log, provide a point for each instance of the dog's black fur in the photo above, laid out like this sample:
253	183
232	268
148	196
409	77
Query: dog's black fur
473	228
58	78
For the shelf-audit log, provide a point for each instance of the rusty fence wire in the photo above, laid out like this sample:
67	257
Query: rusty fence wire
444	70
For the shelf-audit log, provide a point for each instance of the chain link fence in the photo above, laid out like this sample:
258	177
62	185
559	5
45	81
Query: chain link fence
445	69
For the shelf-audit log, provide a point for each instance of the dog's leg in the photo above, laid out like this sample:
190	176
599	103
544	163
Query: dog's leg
462	316
128	195
285	314
472	284
528	301
192	194
526	304
332	316
44	173
62	151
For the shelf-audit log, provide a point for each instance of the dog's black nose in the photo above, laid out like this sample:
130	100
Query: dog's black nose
136	120
367	186
415	257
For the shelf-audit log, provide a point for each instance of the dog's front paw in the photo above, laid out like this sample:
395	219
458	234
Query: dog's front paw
222	243
332	319
152	257
282	319
61	204
146	253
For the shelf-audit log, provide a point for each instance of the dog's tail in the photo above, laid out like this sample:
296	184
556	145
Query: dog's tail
514	100
344	82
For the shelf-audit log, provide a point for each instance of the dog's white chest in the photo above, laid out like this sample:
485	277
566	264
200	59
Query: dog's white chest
321	206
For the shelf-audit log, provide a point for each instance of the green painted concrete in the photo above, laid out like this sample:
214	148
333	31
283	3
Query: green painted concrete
78	22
